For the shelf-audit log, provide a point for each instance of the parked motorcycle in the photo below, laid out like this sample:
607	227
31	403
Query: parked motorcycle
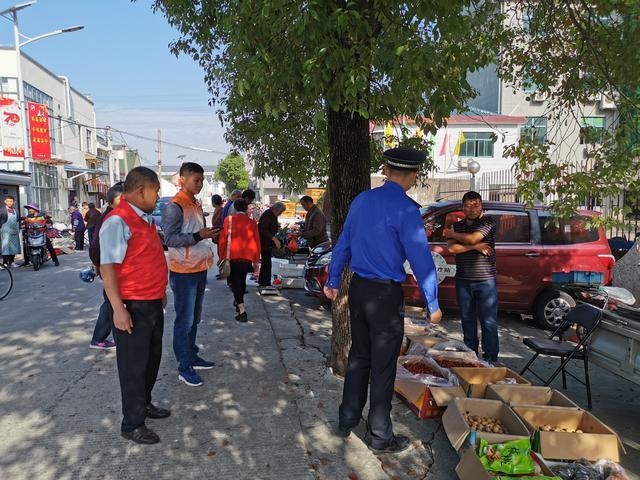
35	242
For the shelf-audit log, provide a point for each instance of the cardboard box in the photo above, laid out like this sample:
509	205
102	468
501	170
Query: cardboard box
418	397
471	468
529	395
457	429
597	440
474	381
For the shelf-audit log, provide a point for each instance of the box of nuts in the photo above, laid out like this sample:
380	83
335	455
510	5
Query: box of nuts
568	434
490	419
474	381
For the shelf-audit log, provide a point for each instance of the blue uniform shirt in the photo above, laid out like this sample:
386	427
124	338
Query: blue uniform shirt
384	229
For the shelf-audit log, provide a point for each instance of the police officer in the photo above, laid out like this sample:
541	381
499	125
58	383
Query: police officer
383	229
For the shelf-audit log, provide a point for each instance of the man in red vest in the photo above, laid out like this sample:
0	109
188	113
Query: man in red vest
134	272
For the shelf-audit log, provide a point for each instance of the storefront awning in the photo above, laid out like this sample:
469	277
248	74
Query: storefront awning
73	168
8	177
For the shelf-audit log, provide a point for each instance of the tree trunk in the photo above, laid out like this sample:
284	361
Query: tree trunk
349	174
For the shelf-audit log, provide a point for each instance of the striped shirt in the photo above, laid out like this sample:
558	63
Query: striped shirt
473	265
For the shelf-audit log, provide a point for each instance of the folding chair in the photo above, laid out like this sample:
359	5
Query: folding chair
584	315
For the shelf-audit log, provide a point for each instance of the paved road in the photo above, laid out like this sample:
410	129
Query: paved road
266	411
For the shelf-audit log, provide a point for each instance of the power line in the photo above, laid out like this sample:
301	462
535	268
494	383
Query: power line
142	137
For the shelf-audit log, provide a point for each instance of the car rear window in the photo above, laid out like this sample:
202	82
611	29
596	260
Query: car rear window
556	231
512	227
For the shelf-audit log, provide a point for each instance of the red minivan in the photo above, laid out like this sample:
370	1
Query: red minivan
530	245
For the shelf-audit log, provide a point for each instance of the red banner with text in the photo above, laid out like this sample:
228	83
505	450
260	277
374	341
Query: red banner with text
39	130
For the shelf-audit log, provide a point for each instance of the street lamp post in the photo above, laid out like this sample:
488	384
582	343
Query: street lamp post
13	11
473	168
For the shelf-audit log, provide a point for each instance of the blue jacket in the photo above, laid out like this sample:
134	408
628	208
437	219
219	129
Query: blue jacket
77	222
383	230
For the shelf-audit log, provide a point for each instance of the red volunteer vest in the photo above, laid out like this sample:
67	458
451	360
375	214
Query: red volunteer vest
143	273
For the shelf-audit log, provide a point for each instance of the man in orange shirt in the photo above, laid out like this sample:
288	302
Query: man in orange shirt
190	256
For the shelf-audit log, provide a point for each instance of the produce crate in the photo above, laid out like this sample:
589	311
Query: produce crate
576	277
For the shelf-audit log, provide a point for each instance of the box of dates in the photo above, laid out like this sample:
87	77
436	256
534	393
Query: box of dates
417	377
492	421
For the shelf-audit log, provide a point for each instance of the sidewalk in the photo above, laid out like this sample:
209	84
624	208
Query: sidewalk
267	411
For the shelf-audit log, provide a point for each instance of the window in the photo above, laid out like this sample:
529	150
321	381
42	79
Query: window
556	231
45	187
529	86
32	94
535	129
89	143
9	87
591	130
512	227
477	144
435	226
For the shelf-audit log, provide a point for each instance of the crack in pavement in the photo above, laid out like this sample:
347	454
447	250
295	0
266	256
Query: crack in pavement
49	410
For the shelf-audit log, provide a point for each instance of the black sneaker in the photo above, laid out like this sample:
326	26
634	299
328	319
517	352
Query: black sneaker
242	317
398	444
236	307
142	435
56	263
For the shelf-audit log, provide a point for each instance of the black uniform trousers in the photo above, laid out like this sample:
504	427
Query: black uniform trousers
138	355
377	328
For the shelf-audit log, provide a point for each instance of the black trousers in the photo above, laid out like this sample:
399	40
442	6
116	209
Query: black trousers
8	259
104	322
79	238
238	278
377	328
138	355
264	279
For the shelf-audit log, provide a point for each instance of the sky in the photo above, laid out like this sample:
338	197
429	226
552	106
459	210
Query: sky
122	60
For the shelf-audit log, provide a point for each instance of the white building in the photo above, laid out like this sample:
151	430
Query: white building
75	172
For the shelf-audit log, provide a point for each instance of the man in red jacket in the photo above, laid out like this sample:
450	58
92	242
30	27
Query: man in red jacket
134	271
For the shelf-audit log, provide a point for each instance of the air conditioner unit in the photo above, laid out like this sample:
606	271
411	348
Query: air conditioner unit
539	97
607	102
462	163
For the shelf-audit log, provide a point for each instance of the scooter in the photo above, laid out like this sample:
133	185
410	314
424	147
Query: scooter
35	243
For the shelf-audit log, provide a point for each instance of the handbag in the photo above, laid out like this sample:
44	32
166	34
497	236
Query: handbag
224	265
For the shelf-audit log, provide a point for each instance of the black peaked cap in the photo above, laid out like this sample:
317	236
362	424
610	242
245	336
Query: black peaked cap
404	157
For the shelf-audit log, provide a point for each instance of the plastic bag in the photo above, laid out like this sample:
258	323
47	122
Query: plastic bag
506	381
610	470
439	377
451	346
579	470
513	457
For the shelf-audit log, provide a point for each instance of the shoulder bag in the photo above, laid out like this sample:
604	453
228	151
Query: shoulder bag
224	265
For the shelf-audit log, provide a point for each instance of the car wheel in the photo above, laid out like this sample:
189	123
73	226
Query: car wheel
551	307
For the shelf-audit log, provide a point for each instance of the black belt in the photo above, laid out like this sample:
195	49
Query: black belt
377	280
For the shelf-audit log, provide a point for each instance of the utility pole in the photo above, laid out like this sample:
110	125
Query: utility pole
159	153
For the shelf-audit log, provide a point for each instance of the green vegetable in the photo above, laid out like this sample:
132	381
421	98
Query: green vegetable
512	457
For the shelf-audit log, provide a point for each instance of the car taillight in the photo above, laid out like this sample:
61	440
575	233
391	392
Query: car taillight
608	260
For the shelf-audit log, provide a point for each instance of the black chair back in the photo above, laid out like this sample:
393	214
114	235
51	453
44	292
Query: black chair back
586	316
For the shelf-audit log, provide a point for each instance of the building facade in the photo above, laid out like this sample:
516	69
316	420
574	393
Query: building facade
76	171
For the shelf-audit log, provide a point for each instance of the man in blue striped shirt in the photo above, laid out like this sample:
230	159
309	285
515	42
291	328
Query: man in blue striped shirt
383	230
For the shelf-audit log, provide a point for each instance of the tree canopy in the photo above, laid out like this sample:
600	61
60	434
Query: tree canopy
232	172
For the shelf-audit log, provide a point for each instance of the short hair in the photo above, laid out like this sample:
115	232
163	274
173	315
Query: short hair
139	177
240	205
404	172
306	199
249	194
85	203
92	205
278	207
236	192
216	199
190	167
11	197
114	192
471	195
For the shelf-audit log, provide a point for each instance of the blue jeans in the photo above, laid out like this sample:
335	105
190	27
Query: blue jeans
188	294
104	322
478	300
